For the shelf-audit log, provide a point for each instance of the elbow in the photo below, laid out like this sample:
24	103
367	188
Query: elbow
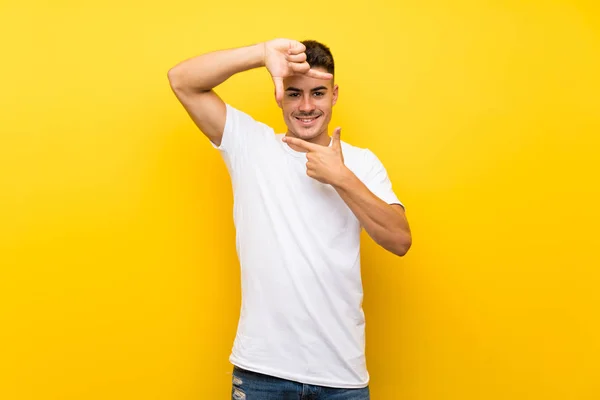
178	80
397	243
402	244
173	77
181	83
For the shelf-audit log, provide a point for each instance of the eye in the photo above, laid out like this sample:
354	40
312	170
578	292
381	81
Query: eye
319	94
293	94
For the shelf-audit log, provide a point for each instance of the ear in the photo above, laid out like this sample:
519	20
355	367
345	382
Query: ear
335	95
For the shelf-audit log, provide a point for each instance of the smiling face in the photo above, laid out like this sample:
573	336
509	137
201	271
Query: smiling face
307	105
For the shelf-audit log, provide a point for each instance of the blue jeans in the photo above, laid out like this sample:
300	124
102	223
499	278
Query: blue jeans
248	385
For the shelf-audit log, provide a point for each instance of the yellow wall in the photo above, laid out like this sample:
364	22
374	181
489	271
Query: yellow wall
119	278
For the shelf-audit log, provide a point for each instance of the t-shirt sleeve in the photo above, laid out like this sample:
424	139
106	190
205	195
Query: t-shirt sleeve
377	180
240	131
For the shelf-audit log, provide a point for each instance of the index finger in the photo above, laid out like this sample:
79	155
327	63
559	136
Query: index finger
313	73
301	143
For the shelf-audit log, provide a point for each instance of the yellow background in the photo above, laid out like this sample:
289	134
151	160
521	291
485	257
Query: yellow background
119	278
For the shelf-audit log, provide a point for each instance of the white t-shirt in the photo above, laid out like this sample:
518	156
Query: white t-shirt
298	244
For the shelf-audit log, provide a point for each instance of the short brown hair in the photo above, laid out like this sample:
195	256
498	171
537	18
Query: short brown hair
319	56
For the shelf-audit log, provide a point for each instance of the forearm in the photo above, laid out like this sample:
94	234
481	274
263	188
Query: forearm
385	225
205	72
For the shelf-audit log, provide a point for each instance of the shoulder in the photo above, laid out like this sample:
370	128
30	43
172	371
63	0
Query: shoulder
358	156
362	161
238	119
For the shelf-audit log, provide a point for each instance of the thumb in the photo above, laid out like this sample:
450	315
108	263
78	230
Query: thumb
335	138
278	81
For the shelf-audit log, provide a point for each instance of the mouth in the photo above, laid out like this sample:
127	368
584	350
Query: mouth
307	121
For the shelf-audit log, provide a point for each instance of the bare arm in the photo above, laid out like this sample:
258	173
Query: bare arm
385	223
193	80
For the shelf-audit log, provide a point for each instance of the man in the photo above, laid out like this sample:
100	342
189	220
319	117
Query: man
300	201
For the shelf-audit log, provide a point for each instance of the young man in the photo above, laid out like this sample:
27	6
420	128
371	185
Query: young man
300	201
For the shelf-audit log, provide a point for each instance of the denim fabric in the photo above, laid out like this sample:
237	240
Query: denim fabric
248	385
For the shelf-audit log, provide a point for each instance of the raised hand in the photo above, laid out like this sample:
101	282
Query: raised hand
325	164
285	57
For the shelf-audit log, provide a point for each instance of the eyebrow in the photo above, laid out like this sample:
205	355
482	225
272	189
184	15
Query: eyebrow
293	89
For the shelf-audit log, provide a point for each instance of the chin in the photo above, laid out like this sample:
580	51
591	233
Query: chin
308	134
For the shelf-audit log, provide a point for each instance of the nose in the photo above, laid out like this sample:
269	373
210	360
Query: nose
306	105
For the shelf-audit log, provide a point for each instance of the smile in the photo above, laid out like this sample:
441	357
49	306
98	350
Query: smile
307	121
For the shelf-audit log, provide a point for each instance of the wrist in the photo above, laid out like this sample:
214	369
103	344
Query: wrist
261	49
254	56
345	179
